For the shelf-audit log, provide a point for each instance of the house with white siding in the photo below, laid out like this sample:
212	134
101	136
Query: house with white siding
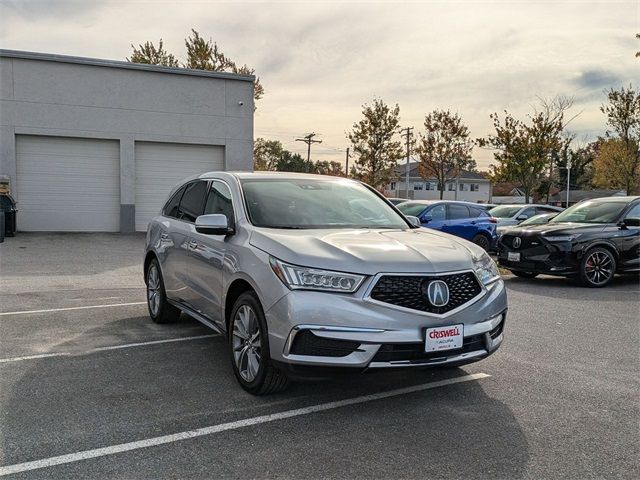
468	186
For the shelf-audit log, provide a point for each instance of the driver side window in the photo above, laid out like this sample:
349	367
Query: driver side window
439	212
634	212
219	201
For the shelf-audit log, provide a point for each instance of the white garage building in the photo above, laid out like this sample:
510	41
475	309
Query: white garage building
95	145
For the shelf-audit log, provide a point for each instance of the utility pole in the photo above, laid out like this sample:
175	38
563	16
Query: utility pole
346	168
408	135
308	139
568	177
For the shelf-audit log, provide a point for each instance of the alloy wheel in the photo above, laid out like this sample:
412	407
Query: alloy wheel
598	267
153	290
246	343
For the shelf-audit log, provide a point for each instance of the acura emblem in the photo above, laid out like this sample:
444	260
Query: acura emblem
517	242
438	293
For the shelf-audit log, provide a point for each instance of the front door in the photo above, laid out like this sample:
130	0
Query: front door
207	255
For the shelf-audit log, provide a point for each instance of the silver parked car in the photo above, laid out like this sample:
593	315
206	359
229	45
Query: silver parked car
508	215
309	275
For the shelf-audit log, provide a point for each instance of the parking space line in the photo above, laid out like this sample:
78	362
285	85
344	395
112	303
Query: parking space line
102	349
24	312
247	422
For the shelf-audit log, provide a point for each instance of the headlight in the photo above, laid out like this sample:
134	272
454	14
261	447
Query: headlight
560	238
486	269
296	277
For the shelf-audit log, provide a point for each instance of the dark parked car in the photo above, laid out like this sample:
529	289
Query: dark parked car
535	220
591	240
466	220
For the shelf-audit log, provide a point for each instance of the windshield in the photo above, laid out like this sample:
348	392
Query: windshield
504	211
316	203
412	208
538	219
591	212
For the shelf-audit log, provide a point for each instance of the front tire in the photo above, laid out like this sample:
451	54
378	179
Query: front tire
160	310
524	274
249	344
597	268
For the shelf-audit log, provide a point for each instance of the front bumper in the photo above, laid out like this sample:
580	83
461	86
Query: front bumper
540	257
362	334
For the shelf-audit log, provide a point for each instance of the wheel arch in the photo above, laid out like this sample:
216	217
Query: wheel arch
600	244
147	260
236	288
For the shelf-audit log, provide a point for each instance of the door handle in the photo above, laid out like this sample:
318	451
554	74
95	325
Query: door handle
193	244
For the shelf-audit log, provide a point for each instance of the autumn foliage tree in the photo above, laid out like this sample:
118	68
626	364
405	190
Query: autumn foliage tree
444	148
375	143
524	150
617	164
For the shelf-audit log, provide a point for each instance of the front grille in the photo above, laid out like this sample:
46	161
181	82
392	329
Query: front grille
414	352
306	343
527	242
408	291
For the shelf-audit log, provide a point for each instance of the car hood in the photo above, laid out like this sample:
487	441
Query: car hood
505	222
368	251
557	228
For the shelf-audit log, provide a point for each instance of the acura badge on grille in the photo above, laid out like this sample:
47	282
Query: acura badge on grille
517	242
438	293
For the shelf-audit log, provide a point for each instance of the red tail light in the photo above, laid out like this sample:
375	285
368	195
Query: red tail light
493	220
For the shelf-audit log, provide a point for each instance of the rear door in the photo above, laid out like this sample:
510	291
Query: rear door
458	221
190	208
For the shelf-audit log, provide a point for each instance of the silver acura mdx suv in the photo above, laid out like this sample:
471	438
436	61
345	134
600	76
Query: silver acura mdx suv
310	275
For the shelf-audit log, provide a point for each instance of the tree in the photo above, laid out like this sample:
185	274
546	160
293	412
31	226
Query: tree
524	151
201	54
638	37
581	166
615	168
152	55
293	162
375	147
621	159
445	148
328	168
206	55
266	154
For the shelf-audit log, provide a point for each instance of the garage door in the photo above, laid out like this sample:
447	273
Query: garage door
159	166
67	184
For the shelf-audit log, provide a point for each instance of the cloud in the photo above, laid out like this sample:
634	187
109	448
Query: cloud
320	61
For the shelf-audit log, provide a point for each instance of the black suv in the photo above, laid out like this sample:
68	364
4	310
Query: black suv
591	240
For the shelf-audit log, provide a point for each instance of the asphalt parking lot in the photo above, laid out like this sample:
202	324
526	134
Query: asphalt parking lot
90	388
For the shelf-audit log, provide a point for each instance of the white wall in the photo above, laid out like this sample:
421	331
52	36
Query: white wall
481	196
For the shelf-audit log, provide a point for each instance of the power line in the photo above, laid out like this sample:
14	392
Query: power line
308	139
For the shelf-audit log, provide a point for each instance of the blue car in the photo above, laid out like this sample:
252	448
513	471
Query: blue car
463	219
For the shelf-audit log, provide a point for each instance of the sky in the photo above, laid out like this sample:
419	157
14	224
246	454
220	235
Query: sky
321	61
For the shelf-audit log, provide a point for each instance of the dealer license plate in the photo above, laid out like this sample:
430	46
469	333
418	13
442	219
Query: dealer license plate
513	256
444	338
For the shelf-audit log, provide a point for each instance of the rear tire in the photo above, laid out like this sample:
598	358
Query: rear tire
524	274
160	310
482	241
249	345
597	268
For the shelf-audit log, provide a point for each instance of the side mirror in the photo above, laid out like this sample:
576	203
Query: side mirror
630	222
415	221
427	218
522	217
214	224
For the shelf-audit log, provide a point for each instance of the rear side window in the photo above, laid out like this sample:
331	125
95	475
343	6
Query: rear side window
545	210
171	207
476	212
219	201
192	202
457	212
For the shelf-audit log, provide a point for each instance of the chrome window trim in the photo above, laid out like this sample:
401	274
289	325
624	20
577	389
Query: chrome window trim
376	278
